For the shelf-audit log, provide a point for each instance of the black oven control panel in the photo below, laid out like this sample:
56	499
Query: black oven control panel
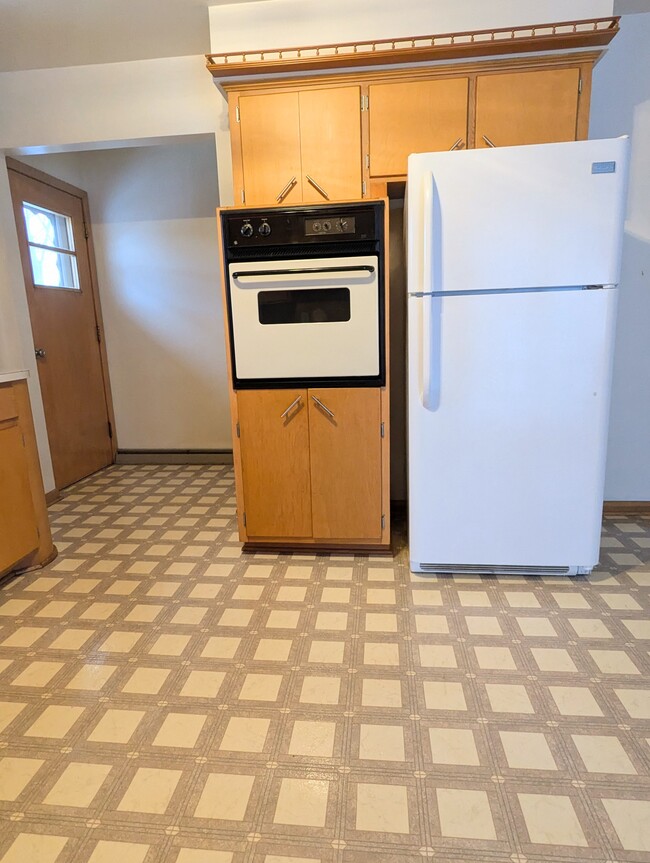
330	225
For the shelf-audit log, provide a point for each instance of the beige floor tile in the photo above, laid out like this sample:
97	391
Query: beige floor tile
421	597
144	613
453	746
169	645
120	642
225	796
331	652
38	674
202	684
92	677
315	739
382	808
302	802
320	690
245	734
301	573
381	653
336	595
279	619
465	814
495	658
613	662
221	647
236	617
42	584
508	698
332	620
273	649
260	687
588	627
437	656
474	599
9	710
380	622
15	607
380	596
381	693
55	721
381	742
249	592
180	569
71	639
338	573
116	726
483	625
164	588
535	627
15	774
527	750
431	623
57	609
570	599
291	593
100	611
150	791
125	852
444	695
84	585
635	701
4	664
553	659
180	729
121	587
205	590
575	701
521	599
189	615
142	567
35	848
146	681
638	628
78	785
258	570
620	601
198	855
551	820
380	574
24	637
631	820
603	754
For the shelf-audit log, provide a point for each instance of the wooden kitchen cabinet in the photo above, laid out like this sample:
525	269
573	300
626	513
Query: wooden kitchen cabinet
311	465
25	537
300	146
532	107
415	117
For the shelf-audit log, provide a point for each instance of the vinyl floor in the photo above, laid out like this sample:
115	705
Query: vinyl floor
165	697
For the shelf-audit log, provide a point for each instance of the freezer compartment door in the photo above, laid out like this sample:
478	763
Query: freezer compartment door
508	413
544	215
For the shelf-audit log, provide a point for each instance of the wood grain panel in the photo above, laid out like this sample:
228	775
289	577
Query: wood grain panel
330	140
415	117
536	107
275	463
346	463
270	142
8	407
18	533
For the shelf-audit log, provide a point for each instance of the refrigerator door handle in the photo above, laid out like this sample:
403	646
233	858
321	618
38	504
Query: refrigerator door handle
431	306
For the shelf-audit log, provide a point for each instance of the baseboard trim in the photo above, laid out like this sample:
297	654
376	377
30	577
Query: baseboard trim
52	496
174	456
626	507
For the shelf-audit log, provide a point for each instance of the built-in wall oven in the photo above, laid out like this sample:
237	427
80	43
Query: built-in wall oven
305	295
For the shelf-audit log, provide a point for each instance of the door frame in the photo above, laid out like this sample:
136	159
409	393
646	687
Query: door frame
17	167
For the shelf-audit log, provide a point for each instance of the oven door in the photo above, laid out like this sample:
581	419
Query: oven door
304	320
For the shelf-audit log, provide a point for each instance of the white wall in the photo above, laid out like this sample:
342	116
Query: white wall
620	105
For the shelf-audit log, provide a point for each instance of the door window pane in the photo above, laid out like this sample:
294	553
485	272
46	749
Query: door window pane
51	248
304	306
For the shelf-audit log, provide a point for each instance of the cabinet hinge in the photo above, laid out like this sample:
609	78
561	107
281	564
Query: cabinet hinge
237	117
244	518
579	85
110	430
237	430
365	103
383	521
243	197
382	429
363	189
99	333
367	160
85	229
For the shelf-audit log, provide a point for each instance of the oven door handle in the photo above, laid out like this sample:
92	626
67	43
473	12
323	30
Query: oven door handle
365	268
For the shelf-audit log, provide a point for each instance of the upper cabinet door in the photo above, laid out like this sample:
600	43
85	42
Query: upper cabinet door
415	117
345	439
330	136
536	107
270	143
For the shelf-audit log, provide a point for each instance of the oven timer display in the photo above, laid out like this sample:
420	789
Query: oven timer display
330	225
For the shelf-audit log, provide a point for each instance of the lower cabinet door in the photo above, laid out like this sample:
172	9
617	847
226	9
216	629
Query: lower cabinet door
345	453
274	442
18	533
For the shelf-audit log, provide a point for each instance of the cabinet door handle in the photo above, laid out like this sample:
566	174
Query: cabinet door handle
317	187
457	144
283	194
488	142
324	407
291	407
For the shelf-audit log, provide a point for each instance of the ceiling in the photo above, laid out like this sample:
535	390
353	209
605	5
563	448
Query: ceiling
43	34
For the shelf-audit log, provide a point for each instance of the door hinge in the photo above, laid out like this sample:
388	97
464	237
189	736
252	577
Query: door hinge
382	429
237	429
110	430
367	160
99	333
244	518
85	229
579	85
237	116
243	197
363	189
383	521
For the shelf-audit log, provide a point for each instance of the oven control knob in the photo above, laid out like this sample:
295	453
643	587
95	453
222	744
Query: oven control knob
327	226
264	229
247	229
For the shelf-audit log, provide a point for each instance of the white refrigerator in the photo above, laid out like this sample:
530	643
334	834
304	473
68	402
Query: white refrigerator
513	263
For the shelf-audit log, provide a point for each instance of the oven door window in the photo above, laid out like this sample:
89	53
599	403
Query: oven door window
300	306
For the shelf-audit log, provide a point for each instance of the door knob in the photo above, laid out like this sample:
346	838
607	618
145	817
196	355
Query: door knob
40	353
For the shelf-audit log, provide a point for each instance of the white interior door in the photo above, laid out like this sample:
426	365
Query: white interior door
508	410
